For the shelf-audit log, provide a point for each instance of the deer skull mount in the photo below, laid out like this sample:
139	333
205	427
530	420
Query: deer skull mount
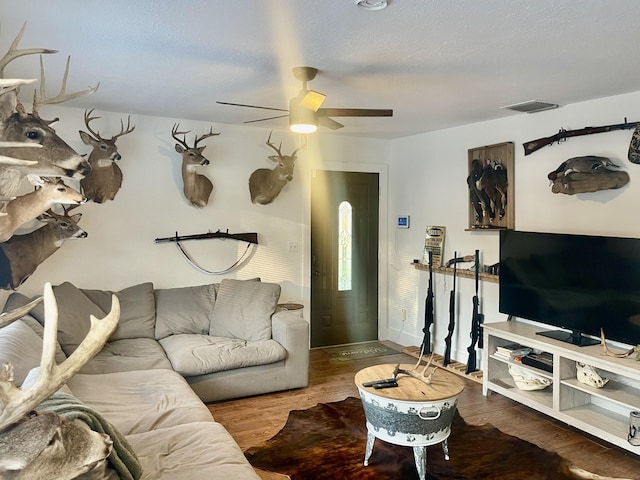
197	188
265	184
54	157
44	445
105	178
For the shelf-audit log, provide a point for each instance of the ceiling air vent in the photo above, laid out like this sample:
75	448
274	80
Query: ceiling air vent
532	106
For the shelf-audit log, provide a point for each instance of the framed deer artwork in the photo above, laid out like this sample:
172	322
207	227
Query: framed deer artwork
490	182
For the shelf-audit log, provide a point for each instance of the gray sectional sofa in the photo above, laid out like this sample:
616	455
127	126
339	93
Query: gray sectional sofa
173	350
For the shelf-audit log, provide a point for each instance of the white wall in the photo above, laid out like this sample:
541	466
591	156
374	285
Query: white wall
427	180
120	249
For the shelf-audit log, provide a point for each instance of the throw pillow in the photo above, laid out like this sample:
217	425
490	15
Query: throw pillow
243	309
137	310
184	310
22	347
74	311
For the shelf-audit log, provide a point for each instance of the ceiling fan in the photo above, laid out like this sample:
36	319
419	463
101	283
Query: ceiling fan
304	110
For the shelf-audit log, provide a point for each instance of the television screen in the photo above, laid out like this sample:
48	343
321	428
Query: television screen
579	283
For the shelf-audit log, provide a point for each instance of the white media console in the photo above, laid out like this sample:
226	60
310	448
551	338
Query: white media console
601	412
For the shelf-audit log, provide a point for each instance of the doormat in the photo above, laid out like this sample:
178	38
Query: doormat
361	350
328	441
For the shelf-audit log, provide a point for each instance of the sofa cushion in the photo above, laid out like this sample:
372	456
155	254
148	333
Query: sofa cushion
184	310
201	354
22	347
74	311
137	310
126	355
203	450
243	309
140	401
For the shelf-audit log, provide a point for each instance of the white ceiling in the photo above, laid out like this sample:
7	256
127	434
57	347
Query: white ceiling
437	64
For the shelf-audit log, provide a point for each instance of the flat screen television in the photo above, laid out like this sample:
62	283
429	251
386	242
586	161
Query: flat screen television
577	283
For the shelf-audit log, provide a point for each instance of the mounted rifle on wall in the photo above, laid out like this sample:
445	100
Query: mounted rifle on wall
562	135
249	238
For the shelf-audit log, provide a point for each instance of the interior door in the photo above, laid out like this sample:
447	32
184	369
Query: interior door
344	257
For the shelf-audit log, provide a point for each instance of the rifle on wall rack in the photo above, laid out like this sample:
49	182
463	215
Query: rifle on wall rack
476	325
242	237
425	348
452	319
562	135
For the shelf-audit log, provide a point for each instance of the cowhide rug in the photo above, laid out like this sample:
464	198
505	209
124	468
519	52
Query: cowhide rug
328	442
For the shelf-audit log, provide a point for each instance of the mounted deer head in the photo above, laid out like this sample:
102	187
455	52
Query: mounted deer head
43	445
264	184
197	188
105	178
55	158
21	254
27	207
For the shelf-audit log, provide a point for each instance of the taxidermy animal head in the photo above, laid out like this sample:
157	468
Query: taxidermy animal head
43	445
105	178
264	184
197	188
21	255
52	156
27	207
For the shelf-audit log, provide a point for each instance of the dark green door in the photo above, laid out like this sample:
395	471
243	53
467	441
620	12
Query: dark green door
344	257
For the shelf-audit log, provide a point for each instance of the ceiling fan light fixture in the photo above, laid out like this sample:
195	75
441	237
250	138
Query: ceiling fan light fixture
301	120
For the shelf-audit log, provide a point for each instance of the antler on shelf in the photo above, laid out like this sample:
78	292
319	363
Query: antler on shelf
14	402
626	354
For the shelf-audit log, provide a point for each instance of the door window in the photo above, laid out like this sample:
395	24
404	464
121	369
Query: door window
345	242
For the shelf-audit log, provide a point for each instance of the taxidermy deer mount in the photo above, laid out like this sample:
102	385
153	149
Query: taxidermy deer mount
105	178
54	157
25	208
43	445
264	184
197	188
21	255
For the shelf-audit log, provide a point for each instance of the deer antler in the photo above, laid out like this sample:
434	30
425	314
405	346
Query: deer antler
608	352
14	402
96	134
122	130
175	133
277	149
14	53
202	137
62	95
10	317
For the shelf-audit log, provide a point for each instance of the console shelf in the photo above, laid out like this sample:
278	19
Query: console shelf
601	412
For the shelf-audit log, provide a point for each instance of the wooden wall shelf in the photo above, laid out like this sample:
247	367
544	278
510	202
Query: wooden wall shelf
460	272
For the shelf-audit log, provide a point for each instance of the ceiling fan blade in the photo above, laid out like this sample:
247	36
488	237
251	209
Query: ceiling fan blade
355	112
253	106
329	123
268	118
313	100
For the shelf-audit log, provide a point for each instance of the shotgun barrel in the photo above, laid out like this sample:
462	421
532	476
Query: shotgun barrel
452	319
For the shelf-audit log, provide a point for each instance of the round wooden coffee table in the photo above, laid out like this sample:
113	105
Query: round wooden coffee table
413	413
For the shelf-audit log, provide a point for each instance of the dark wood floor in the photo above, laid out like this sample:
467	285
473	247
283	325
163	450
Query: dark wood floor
253	420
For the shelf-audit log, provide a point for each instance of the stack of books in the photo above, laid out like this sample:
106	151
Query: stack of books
512	351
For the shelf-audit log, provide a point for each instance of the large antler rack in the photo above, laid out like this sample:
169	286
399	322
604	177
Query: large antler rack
96	134
16	403
183	141
14	52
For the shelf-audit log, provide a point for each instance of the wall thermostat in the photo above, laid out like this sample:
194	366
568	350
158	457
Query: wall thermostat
403	221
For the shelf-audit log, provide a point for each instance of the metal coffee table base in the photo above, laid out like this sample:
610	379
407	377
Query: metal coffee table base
419	454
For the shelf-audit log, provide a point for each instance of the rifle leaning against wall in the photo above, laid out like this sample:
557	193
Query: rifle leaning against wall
425	348
476	325
452	319
562	135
